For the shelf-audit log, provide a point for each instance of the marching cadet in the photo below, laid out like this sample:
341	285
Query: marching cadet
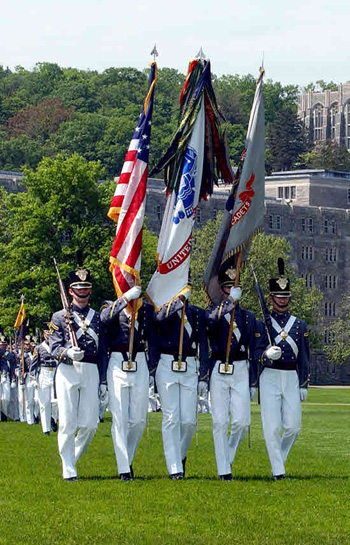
232	386
44	368
177	378
284	376
127	374
77	376
13	405
27	384
5	378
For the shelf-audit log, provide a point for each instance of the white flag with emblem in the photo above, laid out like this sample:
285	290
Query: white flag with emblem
174	244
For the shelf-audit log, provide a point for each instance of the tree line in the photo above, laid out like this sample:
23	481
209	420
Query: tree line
52	110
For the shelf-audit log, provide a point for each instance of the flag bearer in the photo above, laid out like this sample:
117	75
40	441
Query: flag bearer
177	384
232	387
284	376
77	377
127	374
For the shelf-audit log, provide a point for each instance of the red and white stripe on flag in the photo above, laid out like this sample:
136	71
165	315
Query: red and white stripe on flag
128	204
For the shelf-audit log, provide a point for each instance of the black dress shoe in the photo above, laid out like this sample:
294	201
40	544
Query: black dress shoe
131	471
126	477
226	477
278	477
71	479
36	419
53	425
46	433
184	465
176	476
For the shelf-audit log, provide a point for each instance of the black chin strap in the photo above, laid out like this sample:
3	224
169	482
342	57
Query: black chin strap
281	307
77	294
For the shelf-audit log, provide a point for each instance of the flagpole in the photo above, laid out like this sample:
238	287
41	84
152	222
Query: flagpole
132	333
181	340
232	320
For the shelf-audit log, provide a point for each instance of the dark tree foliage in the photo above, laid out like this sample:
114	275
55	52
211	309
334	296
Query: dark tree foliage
286	140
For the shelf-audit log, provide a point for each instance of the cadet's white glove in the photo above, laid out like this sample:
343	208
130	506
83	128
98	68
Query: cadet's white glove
103	393
33	382
273	353
235	293
75	354
252	393
133	293
303	394
202	388
13	384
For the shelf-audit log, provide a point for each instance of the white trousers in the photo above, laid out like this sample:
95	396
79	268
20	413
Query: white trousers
5	394
128	402
30	400
13	405
21	402
46	398
280	408
77	398
229	394
178	396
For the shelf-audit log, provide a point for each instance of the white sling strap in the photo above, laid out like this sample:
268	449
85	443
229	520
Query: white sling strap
84	325
46	347
283	333
187	324
236	331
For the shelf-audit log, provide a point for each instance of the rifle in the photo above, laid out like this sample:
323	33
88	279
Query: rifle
66	308
265	312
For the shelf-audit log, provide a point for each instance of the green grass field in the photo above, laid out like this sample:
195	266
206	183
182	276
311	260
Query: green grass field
310	507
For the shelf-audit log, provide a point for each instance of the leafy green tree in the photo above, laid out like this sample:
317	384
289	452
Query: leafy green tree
338	351
326	155
286	140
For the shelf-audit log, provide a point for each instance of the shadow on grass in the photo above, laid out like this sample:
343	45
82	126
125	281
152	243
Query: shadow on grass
239	478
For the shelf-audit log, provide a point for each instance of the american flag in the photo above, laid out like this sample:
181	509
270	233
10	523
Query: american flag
128	204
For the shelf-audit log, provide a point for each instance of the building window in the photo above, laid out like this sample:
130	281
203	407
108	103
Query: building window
278	222
326	226
318	122
329	309
309	279
303	225
333	227
280	193
66	237
286	192
159	212
214	213
198	216
331	255
329	337
332	119
331	282
293	192
307	253
310	225
271	221
348	196
292	224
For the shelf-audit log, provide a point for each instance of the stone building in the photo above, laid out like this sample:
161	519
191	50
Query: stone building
11	181
327	114
311	209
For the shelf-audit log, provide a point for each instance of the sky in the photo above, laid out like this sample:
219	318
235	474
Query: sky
301	41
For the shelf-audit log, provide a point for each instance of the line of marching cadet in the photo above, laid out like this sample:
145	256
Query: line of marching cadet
100	372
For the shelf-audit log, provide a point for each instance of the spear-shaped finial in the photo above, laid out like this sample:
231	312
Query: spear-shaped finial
154	52
201	55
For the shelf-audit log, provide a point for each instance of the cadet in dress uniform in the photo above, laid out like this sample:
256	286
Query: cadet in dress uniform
44	369
27	384
127	383
231	389
178	387
13	405
77	376
5	378
284	377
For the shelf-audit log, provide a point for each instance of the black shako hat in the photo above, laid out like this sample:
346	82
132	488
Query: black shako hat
80	278
227	273
280	286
